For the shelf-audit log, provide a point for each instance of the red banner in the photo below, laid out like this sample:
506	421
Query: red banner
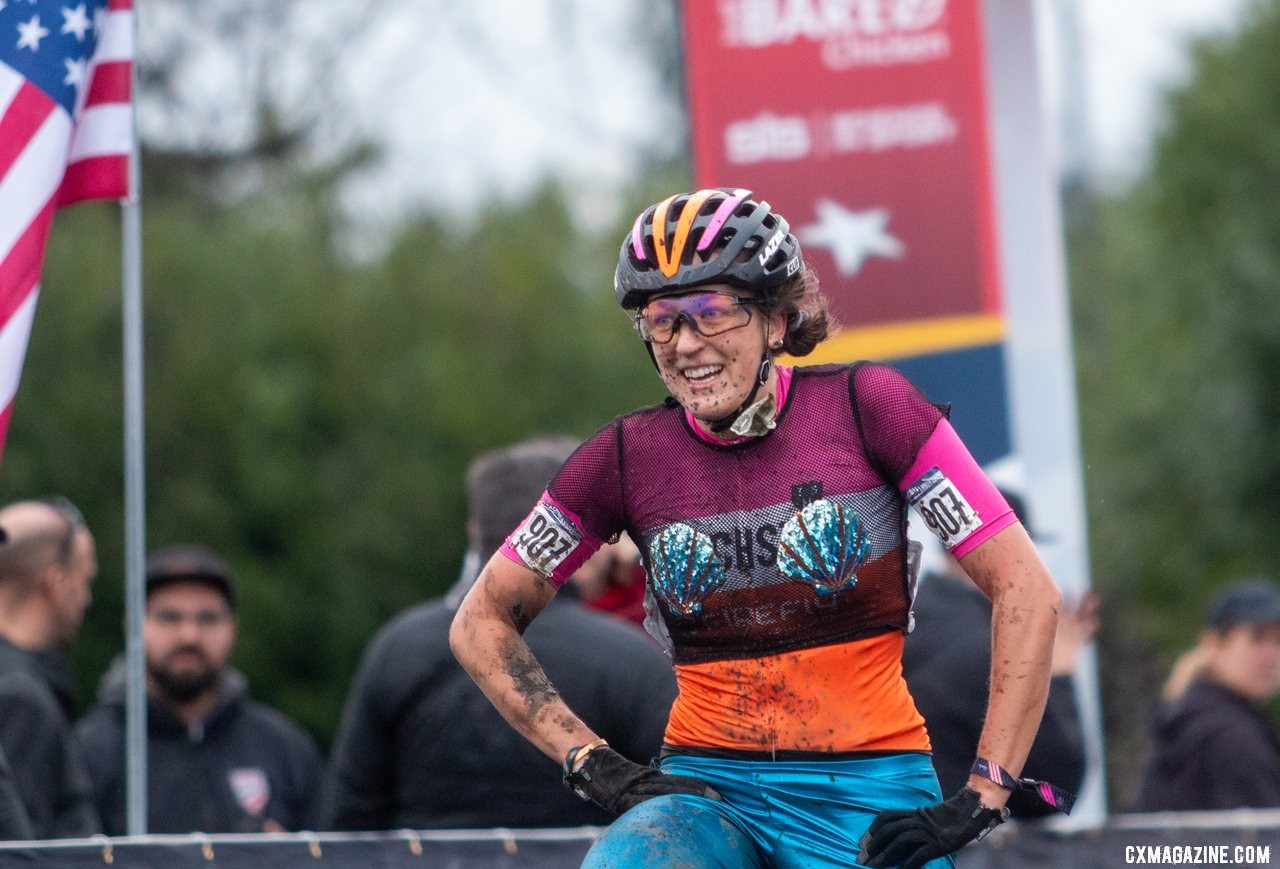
864	122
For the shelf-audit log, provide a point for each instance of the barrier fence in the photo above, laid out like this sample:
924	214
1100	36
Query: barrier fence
1244	838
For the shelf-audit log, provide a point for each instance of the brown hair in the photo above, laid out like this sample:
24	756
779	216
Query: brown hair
808	319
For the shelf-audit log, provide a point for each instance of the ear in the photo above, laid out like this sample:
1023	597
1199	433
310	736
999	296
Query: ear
776	328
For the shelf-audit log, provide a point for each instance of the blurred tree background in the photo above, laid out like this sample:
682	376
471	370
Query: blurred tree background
1176	296
310	413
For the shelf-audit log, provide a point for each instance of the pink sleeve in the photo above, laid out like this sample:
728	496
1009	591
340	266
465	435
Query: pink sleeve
551	542
951	493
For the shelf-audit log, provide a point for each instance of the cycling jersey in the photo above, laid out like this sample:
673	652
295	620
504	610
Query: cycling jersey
779	566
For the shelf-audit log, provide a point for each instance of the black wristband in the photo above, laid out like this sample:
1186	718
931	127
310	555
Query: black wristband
574	780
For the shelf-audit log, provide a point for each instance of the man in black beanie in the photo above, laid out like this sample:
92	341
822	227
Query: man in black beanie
218	761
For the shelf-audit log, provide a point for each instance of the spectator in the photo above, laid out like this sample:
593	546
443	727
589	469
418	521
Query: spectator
1210	746
47	562
218	762
421	747
946	663
619	587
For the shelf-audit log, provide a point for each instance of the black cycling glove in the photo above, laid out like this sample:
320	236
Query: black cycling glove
910	839
615	784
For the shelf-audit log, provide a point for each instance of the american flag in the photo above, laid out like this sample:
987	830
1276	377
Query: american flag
66	131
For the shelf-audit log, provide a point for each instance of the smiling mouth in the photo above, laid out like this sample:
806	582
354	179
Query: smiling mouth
701	374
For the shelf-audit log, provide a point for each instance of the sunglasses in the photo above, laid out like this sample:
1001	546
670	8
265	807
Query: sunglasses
711	313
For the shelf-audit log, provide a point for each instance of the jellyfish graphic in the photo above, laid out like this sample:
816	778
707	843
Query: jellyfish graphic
823	545
684	568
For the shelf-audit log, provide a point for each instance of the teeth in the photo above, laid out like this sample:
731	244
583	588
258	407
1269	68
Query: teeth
703	372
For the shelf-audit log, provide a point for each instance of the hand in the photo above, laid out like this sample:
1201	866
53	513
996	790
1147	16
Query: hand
910	839
615	784
1076	626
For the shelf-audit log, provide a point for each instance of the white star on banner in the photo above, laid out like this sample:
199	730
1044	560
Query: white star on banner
30	34
851	236
76	21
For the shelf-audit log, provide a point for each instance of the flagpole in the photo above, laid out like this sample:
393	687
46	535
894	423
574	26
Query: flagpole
134	488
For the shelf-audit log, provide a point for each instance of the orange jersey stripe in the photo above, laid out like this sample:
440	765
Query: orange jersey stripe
843	697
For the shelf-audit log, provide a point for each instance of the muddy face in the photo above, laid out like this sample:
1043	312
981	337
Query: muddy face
712	377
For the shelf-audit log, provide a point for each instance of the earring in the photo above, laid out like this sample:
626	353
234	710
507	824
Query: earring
776	345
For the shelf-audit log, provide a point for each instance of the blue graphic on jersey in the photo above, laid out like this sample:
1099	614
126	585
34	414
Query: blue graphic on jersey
823	545
684	567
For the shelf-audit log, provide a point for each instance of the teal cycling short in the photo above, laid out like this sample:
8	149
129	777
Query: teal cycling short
783	814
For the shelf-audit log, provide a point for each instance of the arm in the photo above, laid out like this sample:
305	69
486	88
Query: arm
1024	618
29	739
486	636
14	823
1058	754
308	777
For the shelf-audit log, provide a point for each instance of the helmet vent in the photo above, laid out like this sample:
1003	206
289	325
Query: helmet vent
695	237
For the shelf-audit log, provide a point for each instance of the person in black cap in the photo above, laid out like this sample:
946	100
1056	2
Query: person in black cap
1210	745
218	762
946	663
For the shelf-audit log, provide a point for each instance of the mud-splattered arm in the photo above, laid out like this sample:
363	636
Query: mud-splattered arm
486	638
1024	617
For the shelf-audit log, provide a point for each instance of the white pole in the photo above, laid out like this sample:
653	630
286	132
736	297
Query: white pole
134	488
1040	369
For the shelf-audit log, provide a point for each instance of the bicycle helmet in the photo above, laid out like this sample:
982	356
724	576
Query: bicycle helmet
739	241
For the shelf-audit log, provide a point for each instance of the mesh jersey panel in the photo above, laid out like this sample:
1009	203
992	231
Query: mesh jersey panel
894	417
590	483
648	471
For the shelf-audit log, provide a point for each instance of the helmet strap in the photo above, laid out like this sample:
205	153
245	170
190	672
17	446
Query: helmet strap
722	424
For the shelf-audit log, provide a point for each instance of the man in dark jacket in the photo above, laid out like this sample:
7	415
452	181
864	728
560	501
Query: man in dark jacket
47	562
421	747
218	762
1211	747
946	663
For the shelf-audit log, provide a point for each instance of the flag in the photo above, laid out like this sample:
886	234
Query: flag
66	132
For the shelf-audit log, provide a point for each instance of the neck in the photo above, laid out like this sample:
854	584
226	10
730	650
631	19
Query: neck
767	389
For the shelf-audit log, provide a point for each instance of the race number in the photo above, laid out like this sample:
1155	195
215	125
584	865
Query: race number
546	538
943	508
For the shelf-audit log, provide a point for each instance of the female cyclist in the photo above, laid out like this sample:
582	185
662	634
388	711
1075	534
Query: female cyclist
770	505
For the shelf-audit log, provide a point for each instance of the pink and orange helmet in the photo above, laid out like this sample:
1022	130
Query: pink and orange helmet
715	236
